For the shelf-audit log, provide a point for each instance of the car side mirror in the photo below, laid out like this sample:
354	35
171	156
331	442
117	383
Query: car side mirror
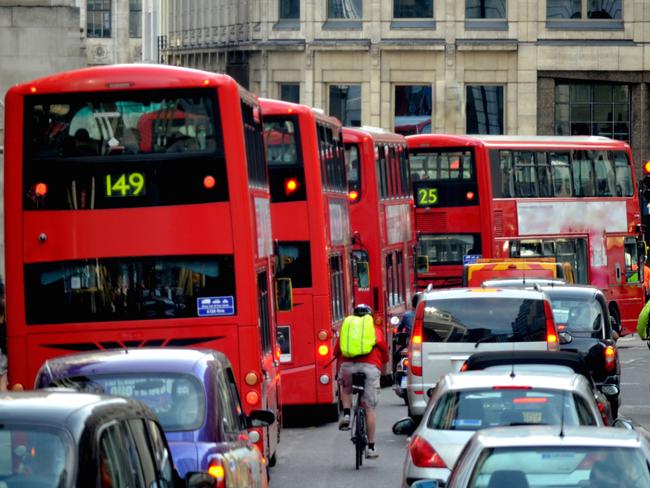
405	426
425	484
200	480
622	423
565	338
261	418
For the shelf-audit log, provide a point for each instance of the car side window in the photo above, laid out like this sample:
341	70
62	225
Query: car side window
144	452
113	465
232	384
584	413
161	455
132	458
227	416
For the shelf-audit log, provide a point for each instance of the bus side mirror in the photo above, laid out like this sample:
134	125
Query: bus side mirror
363	274
283	295
641	247
423	264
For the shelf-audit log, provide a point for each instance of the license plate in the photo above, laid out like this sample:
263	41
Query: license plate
402	382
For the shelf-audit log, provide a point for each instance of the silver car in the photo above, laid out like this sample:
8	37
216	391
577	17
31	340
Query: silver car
551	456
466	402
450	325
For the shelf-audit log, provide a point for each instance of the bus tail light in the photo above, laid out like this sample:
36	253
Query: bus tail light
290	186
551	332
40	189
415	347
353	195
610	358
423	455
218	472
470	196
252	397
209	182
323	350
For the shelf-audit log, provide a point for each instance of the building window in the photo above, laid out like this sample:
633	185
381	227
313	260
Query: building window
413	105
599	110
345	9
412	9
484	109
99	18
584	9
485	9
345	104
135	18
290	92
289	9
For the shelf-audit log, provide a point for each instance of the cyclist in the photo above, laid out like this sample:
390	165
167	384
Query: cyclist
370	364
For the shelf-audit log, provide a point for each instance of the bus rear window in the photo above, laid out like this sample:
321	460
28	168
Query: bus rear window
448	248
284	159
113	289
123	149
485	319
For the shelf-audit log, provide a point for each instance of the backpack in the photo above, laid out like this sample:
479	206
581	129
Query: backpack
357	336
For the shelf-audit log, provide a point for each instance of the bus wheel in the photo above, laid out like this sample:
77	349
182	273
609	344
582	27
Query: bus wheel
273	459
614	313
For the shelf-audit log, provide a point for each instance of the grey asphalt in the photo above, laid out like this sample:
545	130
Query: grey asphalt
635	379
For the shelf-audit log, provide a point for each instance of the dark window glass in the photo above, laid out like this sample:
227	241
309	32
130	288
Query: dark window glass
624	185
122	149
579	316
344	9
448	248
254	137
290	92
345	104
294	261
485	9
96	290
228	417
284	158
391	280
583	174
413	109
632	261
563	9
604	173
405	170
144	452
572	251
584	412
113	459
98	18
135	18
605	9
489	319
525	174
264	311
363	280
177	399
337	287
289	9
544	180
484	109
561	174
161	452
332	159
482	408
412	9
352	158
133	464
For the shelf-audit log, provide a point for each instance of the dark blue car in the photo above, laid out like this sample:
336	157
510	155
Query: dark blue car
194	395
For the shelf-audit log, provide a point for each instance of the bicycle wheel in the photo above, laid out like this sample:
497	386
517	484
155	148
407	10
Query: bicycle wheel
360	437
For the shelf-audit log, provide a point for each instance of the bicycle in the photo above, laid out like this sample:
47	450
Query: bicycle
359	431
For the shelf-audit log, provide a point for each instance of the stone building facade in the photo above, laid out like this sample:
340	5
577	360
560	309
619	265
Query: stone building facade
497	66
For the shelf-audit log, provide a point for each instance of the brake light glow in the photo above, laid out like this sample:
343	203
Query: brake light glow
610	358
528	400
423	455
290	186
40	189
323	350
217	471
512	387
551	332
646	167
209	182
353	195
469	195
464	367
415	346
252	397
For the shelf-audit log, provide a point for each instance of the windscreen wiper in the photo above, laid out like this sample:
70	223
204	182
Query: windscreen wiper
491	337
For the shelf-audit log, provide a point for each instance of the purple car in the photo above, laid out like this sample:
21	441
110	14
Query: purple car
193	393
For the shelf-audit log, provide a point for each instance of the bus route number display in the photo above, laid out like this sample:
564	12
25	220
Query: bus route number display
427	196
125	185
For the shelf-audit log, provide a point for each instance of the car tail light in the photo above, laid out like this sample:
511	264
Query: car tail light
610	358
603	413
423	455
551	332
464	367
415	346
527	400
218	472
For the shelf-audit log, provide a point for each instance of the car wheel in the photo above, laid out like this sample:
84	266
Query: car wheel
273	460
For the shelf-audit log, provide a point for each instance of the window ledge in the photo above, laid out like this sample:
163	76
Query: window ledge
413	24
486	24
586	25
343	25
287	24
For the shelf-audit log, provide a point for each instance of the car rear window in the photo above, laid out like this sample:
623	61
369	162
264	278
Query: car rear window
578	315
546	467
177	399
483	408
485	319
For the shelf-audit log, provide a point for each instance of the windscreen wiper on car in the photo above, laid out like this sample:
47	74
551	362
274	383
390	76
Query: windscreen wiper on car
494	336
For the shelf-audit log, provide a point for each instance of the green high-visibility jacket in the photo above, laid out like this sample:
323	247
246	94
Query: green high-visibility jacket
642	322
357	336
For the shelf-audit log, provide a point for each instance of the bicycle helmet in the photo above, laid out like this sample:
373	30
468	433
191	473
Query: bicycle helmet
361	310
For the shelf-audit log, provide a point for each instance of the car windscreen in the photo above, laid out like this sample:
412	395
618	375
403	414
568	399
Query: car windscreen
177	399
550	466
35	456
574	315
484	319
492	407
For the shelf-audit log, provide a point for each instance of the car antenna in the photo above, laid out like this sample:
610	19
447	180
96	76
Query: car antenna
512	366
562	415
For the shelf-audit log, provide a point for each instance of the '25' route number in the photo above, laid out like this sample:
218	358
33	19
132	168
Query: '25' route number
428	196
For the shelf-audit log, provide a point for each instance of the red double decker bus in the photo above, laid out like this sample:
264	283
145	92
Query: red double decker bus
381	207
569	198
311	232
138	214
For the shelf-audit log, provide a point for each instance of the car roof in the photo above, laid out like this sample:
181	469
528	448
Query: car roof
177	360
572	291
549	435
56	408
573	360
478	292
484	379
521	282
